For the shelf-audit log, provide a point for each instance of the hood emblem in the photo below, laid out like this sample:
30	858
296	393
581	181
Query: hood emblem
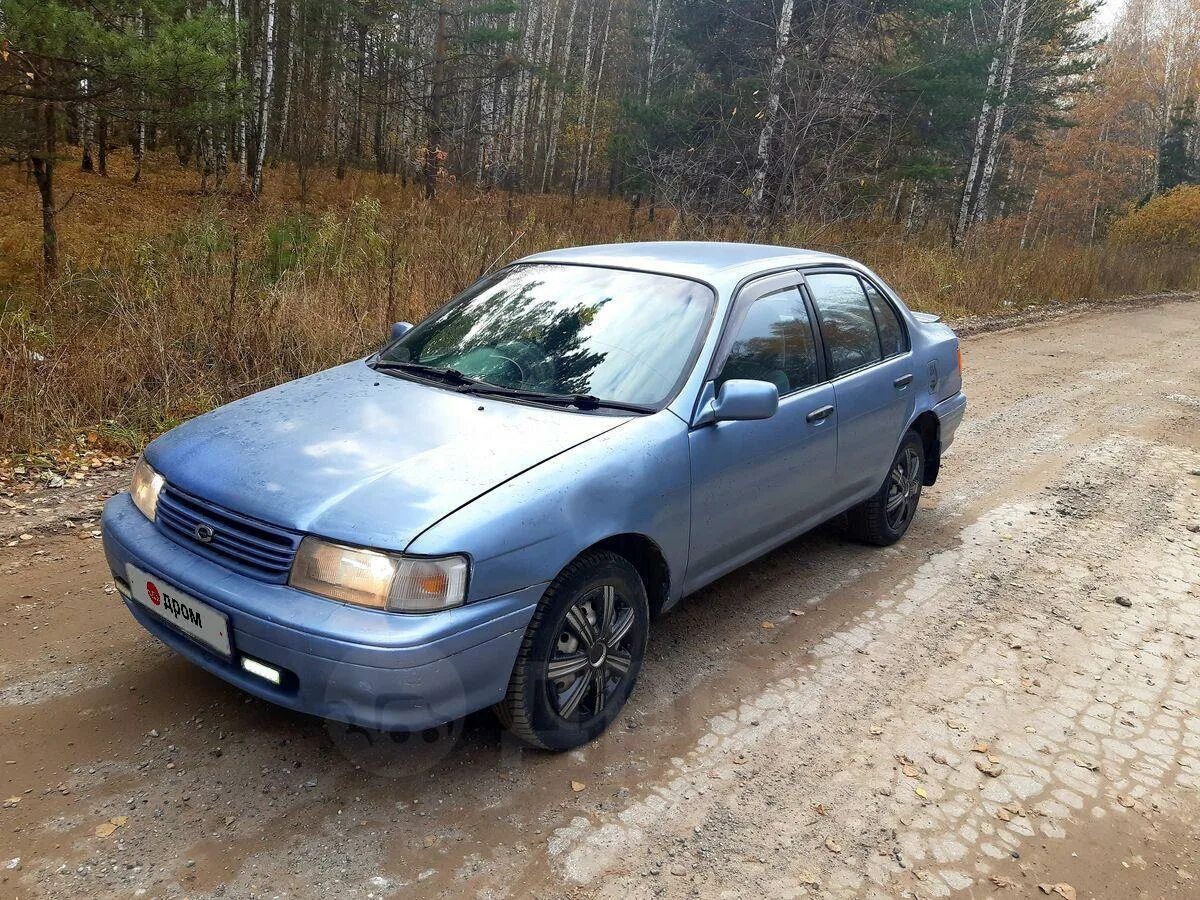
203	533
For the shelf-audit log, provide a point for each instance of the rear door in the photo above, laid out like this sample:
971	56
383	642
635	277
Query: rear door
869	361
754	484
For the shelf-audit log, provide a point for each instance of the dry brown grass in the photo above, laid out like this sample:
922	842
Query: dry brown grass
171	301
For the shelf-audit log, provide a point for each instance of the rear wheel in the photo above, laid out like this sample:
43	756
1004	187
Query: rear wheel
883	518
581	655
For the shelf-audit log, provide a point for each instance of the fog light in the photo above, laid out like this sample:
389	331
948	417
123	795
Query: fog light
262	670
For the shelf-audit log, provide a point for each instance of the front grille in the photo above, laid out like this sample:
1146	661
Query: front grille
243	544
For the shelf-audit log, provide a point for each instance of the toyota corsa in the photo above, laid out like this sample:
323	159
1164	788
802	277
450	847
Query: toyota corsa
493	508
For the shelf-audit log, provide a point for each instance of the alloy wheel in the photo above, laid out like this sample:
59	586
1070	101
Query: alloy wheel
904	489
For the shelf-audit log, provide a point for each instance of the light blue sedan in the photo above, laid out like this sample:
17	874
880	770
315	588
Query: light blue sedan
492	509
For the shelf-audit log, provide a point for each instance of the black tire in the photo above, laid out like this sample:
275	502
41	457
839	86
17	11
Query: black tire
883	518
592	625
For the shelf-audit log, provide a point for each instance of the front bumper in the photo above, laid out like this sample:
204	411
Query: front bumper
379	670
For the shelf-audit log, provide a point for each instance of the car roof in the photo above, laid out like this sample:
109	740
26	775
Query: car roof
705	260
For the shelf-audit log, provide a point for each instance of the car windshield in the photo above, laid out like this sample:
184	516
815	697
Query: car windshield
565	329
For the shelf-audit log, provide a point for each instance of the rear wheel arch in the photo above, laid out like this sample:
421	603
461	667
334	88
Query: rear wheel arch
928	428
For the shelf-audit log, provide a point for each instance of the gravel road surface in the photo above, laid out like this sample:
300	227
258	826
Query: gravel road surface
1007	703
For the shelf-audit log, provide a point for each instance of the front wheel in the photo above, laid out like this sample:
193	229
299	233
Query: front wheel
883	518
581	654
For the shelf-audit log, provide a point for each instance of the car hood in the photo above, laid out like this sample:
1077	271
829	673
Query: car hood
362	457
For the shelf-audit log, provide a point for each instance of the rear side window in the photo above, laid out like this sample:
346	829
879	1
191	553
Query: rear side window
847	323
891	333
774	343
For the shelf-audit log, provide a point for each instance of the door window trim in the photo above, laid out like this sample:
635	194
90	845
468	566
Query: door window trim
749	294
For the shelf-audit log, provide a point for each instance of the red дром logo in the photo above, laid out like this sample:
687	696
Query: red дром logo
152	591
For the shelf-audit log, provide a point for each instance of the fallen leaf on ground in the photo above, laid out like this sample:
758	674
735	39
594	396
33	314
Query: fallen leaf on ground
875	729
1085	764
921	792
980	747
989	768
577	786
911	771
1125	800
11	801
796	612
833	846
1003	881
1003	815
105	829
768	624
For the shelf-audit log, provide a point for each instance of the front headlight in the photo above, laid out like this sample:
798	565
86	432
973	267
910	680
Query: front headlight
377	579
145	488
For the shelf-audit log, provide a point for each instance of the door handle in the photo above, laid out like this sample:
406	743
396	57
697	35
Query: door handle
903	381
819	415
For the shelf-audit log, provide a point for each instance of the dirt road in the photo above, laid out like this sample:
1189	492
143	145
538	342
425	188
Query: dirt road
1006	699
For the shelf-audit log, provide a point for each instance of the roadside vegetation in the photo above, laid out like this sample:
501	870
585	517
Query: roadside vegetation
171	302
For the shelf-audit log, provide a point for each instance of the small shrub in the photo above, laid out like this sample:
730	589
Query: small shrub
1169	220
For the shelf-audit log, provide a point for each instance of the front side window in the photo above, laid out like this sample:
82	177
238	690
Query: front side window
774	343
847	323
566	329
891	333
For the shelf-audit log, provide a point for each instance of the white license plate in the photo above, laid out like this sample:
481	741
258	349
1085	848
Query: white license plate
189	615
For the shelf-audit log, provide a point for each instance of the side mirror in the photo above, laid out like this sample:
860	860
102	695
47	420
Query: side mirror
399	329
742	400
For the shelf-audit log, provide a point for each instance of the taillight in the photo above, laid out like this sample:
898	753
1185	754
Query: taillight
958	351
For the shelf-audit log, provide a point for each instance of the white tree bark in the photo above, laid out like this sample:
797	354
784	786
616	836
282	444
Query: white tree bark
523	92
652	49
267	75
993	152
582	178
239	134
766	136
981	128
557	112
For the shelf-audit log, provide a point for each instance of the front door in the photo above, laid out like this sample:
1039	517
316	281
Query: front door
756	484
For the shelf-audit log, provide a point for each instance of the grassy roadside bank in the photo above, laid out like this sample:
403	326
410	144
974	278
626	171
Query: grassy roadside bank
172	302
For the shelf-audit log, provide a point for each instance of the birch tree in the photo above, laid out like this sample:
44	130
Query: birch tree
758	186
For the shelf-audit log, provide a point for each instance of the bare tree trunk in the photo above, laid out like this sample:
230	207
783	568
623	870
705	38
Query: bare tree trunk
522	95
581	118
287	77
437	90
981	128
556	114
546	57
652	48
239	133
139	128
43	174
264	100
102	145
993	153
581	182
758	185
87	126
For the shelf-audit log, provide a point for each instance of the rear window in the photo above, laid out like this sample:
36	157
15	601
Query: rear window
891	332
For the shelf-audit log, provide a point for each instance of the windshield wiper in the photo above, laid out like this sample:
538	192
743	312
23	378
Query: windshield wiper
580	401
451	377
